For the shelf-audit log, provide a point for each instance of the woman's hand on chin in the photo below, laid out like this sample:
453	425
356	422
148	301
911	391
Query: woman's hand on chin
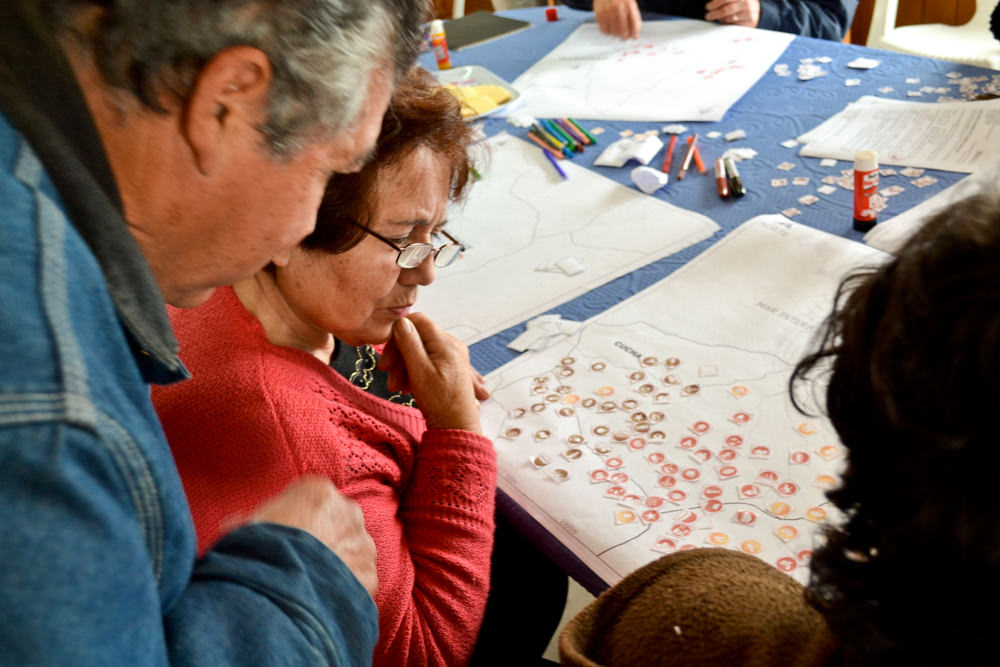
434	366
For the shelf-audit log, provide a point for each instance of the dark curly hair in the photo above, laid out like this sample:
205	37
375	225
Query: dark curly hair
421	113
912	351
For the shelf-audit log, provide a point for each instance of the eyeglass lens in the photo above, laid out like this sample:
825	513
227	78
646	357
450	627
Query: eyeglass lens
414	254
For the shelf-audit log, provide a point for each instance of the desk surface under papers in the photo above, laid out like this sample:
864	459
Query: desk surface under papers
665	423
741	303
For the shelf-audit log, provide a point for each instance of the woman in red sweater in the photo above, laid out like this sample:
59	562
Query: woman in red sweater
285	384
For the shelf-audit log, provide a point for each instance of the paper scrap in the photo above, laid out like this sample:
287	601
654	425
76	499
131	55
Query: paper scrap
640	148
675	128
864	63
736	134
740	154
649	180
543	331
790	143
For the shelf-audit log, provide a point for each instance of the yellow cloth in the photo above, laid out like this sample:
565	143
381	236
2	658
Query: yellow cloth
700	607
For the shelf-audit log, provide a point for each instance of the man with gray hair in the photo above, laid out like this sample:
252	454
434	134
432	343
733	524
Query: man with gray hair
149	152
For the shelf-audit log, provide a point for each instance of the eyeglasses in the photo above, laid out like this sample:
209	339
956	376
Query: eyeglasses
413	255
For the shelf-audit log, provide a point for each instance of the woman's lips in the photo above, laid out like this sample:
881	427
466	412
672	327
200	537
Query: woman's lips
400	311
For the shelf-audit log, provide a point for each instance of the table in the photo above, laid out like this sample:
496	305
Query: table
777	108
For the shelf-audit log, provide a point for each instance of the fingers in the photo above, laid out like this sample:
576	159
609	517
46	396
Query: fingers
734	12
479	386
314	504
620	18
439	374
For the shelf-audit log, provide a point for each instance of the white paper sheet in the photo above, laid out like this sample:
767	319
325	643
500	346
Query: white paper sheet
894	232
677	70
733	322
523	215
951	136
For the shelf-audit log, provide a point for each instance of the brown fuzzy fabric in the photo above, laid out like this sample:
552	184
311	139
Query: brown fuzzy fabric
700	607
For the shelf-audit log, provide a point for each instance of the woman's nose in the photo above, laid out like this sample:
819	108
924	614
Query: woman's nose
422	274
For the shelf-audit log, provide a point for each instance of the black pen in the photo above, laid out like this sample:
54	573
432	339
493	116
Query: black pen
736	187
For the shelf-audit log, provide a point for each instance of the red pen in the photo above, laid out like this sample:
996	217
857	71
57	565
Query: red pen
670	154
692	143
721	183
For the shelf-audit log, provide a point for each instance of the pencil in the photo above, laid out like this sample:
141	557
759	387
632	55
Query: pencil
697	158
547	137
559	133
668	158
692	144
578	141
589	136
545	146
568	126
555	163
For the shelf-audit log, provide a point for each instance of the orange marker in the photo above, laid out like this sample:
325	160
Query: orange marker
697	156
670	154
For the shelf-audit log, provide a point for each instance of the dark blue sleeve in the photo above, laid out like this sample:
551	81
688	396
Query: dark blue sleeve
586	5
823	19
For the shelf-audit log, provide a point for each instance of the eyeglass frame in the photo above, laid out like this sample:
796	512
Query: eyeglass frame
435	252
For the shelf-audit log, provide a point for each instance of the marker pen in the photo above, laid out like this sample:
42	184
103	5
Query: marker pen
865	187
736	187
721	184
686	164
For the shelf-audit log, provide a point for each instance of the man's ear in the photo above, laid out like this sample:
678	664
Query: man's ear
230	95
283	258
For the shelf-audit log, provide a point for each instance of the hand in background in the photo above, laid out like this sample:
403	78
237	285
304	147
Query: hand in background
620	18
734	12
314	505
434	366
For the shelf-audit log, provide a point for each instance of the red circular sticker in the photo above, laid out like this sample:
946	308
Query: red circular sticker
714	505
667	481
690	474
712	491
786	564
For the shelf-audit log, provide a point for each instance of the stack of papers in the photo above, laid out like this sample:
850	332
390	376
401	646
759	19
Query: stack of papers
951	136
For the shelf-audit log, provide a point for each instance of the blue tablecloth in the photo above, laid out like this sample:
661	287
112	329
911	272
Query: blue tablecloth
777	108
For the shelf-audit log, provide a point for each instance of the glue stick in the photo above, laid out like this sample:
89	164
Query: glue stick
865	188
440	44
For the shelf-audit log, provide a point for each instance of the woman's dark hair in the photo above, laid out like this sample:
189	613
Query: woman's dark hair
421	113
912	351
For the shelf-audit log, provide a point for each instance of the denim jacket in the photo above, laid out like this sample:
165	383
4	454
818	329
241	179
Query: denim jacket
95	532
97	544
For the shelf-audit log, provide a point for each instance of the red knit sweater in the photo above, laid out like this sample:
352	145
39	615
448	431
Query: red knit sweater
257	416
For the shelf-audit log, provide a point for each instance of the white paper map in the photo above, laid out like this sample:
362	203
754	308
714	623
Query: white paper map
665	423
522	215
677	70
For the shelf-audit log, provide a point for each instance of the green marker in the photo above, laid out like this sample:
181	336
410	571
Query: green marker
561	133
585	133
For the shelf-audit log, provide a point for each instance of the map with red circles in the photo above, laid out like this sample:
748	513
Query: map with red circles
666	425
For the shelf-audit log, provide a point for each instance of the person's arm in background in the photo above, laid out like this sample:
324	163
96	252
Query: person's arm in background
823	19
620	18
